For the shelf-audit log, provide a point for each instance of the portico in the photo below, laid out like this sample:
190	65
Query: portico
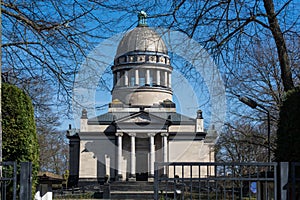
142	157
141	146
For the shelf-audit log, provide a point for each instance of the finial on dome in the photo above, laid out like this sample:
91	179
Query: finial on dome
142	16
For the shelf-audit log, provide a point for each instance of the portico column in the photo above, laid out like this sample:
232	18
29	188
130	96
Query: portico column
152	154
119	155
132	157
165	149
137	81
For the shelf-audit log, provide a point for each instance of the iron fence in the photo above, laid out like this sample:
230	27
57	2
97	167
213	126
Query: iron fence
186	180
8	180
295	181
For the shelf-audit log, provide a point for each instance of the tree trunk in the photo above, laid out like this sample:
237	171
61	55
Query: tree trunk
286	74
0	96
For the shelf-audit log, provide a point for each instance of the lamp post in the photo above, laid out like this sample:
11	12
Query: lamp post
253	104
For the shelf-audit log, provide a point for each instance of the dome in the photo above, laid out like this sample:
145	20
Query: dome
142	38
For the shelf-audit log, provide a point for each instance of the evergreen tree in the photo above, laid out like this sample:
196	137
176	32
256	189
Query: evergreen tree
288	133
19	131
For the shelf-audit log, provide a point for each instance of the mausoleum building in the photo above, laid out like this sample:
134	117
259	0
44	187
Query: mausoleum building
141	126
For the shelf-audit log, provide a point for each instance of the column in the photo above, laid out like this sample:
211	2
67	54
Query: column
147	77
137	82
126	78
152	155
158	77
166	79
122	78
170	80
131	77
118	78
119	156
165	150
132	157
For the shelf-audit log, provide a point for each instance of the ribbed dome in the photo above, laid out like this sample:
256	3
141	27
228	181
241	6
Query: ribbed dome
142	38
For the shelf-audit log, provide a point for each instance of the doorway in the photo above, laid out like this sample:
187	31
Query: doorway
142	151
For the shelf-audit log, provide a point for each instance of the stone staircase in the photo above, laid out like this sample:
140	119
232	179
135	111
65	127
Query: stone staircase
131	190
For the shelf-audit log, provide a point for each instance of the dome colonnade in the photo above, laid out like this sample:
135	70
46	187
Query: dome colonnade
142	71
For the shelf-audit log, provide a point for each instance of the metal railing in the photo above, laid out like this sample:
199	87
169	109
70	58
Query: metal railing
8	180
198	180
295	181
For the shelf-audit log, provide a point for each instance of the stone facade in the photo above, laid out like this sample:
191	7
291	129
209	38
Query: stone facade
141	126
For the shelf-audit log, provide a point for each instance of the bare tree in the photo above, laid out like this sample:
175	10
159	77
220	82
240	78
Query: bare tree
53	150
241	143
47	39
257	77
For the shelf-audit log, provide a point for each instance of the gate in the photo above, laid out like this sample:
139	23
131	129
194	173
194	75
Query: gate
295	181
8	180
243	181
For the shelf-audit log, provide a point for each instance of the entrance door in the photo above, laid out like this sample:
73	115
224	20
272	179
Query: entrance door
142	150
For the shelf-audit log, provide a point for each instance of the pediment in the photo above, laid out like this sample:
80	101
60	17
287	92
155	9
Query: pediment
138	119
141	118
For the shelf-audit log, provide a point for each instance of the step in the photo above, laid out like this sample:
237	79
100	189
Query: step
132	194
131	186
132	190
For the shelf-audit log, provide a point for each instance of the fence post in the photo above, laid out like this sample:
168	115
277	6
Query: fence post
15	181
106	191
155	187
25	180
283	180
